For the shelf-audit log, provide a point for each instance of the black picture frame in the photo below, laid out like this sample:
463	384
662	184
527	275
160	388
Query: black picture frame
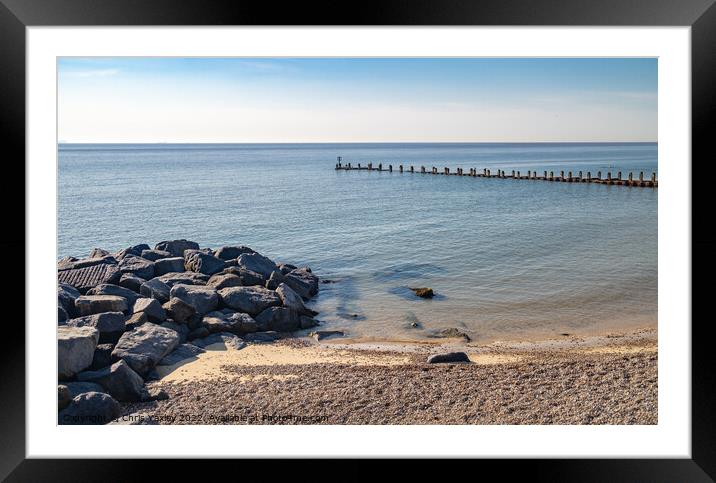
700	15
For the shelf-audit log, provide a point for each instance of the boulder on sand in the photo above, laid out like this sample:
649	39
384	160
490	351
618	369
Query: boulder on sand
182	352
176	247
196	261
252	300
229	321
257	263
303	282
109	324
95	304
139	266
203	299
448	357
168	265
75	349
145	346
229	341
291	300
90	408
120	381
155	289
279	319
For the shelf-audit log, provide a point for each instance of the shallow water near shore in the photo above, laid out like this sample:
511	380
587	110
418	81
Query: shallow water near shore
506	258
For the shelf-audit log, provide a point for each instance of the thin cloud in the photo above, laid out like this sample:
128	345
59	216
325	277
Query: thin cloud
92	73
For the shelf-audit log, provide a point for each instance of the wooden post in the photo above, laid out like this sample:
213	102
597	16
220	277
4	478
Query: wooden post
390	168
653	178
370	166
641	176
349	166
411	168
518	175
580	176
589	176
619	175
484	171
609	177
401	168
488	172
551	175
380	166
513	173
599	175
435	170
529	174
422	169
569	177
561	175
358	165
630	177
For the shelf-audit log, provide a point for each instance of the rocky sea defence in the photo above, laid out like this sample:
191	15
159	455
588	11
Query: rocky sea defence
123	314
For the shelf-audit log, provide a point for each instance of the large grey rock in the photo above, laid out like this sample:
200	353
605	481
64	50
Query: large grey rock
131	282
184	278
155	255
145	346
99	253
274	280
229	341
448	357
303	282
95	304
139	266
261	337
229	321
178	310
203	299
76	388
61	315
176	247
111	289
181	353
291	300
155	289
180	328
251	300
109	324
308	322
71	263
224	280
168	265
257	263
75	349
135	320
133	251
286	267
151	307
279	319
247	277
90	408
196	261
102	357
84	278
119	380
66	295
231	253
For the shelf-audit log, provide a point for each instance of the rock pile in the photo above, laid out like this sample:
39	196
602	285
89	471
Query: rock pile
122	314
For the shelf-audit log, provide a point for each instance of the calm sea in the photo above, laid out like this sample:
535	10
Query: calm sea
507	259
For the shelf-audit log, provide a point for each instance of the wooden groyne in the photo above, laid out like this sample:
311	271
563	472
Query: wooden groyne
570	177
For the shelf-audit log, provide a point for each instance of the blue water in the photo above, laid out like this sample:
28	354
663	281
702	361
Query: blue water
507	258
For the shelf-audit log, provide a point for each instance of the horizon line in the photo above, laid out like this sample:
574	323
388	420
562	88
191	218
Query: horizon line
356	142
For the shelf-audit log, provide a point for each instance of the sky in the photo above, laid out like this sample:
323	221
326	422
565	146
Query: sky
263	100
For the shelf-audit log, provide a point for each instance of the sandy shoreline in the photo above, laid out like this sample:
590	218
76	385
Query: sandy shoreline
606	379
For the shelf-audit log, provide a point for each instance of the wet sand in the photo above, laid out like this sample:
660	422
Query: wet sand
606	379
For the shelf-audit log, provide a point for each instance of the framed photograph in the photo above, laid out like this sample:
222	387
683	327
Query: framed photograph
413	233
